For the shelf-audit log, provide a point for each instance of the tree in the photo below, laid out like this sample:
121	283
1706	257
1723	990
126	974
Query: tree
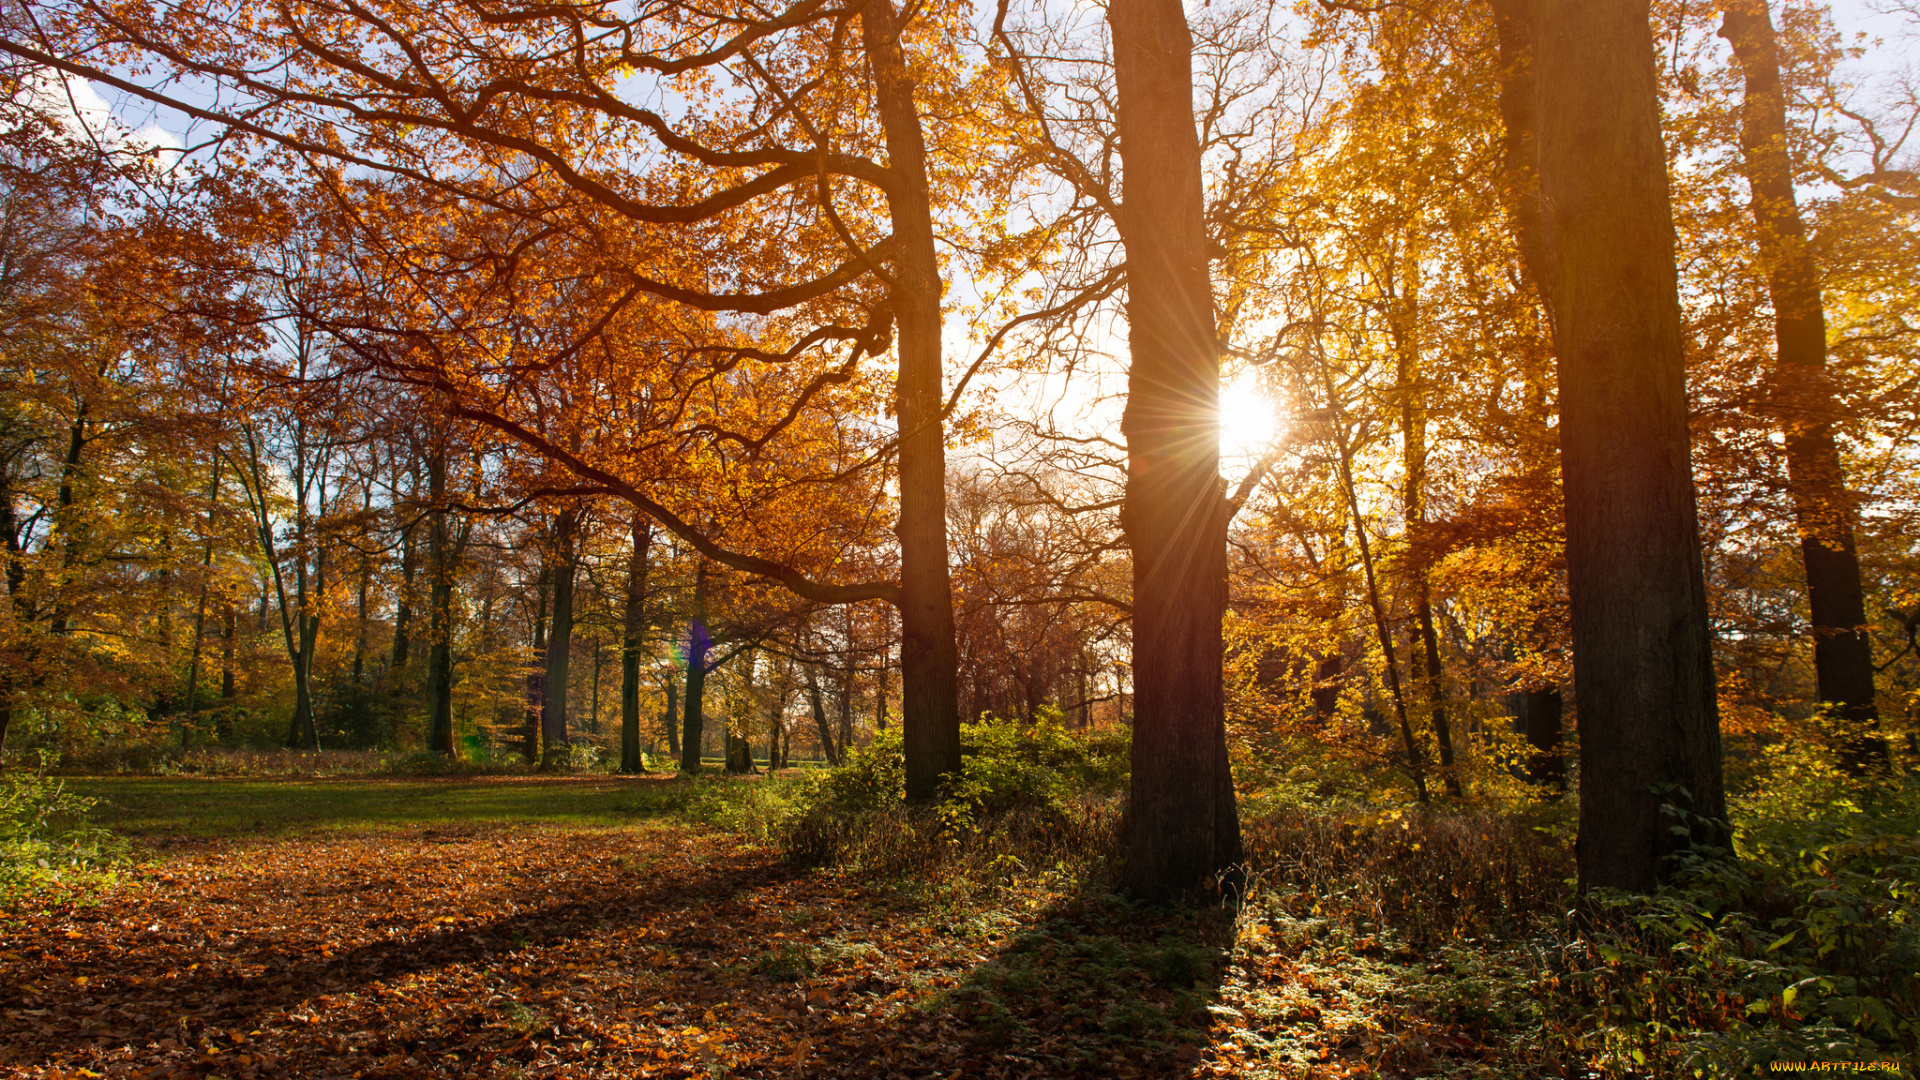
538	103
1643	664
1183	825
633	629
1803	396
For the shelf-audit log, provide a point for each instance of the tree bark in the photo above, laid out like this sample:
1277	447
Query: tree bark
827	746
632	632
536	670
929	658
693	720
440	613
403	604
61	622
1803	397
1183	823
672	718
1543	708
553	703
223	722
1546	765
1424	660
739	750
1643	664
200	610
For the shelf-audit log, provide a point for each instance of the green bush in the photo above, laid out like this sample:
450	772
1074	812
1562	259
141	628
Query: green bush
1027	795
1805	946
46	847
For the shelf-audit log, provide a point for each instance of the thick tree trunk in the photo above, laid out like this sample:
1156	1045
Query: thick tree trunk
1643	664
1803	395
632	632
1183	823
929	658
693	721
440	615
553	704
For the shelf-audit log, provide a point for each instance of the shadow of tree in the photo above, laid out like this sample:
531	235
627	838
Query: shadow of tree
1095	985
664	952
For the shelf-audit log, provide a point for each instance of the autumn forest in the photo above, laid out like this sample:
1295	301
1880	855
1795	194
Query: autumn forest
1329	539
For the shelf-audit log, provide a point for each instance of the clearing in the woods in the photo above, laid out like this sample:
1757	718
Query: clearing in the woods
577	927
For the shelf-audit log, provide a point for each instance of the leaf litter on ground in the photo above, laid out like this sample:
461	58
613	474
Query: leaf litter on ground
651	950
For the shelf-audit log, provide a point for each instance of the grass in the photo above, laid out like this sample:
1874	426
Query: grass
210	808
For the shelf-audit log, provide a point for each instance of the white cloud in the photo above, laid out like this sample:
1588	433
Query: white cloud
85	116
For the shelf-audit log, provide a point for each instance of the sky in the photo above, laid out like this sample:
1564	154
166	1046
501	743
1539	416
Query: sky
1249	419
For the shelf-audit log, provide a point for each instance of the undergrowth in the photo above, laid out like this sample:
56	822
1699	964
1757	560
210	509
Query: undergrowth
1800	945
1029	797
47	848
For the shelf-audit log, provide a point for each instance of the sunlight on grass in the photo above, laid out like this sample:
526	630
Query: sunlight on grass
144	806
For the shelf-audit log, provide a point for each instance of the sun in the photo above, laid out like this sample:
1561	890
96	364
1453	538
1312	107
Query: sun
1249	420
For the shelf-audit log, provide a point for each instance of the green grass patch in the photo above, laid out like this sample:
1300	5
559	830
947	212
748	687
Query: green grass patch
213	808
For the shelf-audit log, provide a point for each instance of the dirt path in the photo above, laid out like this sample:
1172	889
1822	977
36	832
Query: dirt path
557	951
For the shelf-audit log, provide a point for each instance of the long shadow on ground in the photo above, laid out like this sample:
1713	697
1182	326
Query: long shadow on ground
1095	986
668	952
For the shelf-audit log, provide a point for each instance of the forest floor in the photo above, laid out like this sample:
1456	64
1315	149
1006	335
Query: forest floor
567	927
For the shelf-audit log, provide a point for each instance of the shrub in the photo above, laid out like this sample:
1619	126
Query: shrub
45	846
1429	876
1027	796
1803	947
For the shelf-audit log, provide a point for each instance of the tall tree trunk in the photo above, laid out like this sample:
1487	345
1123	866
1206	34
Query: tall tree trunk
672	718
403	611
1416	756
537	669
929	658
739	751
223	722
163	699
593	696
776	732
553	711
814	699
16	576
61	621
440	616
1643	664
200	609
632	632
360	628
698	642
1803	395
1183	822
1543	707
1425	659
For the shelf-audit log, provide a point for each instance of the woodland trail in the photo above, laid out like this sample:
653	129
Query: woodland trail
655	949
